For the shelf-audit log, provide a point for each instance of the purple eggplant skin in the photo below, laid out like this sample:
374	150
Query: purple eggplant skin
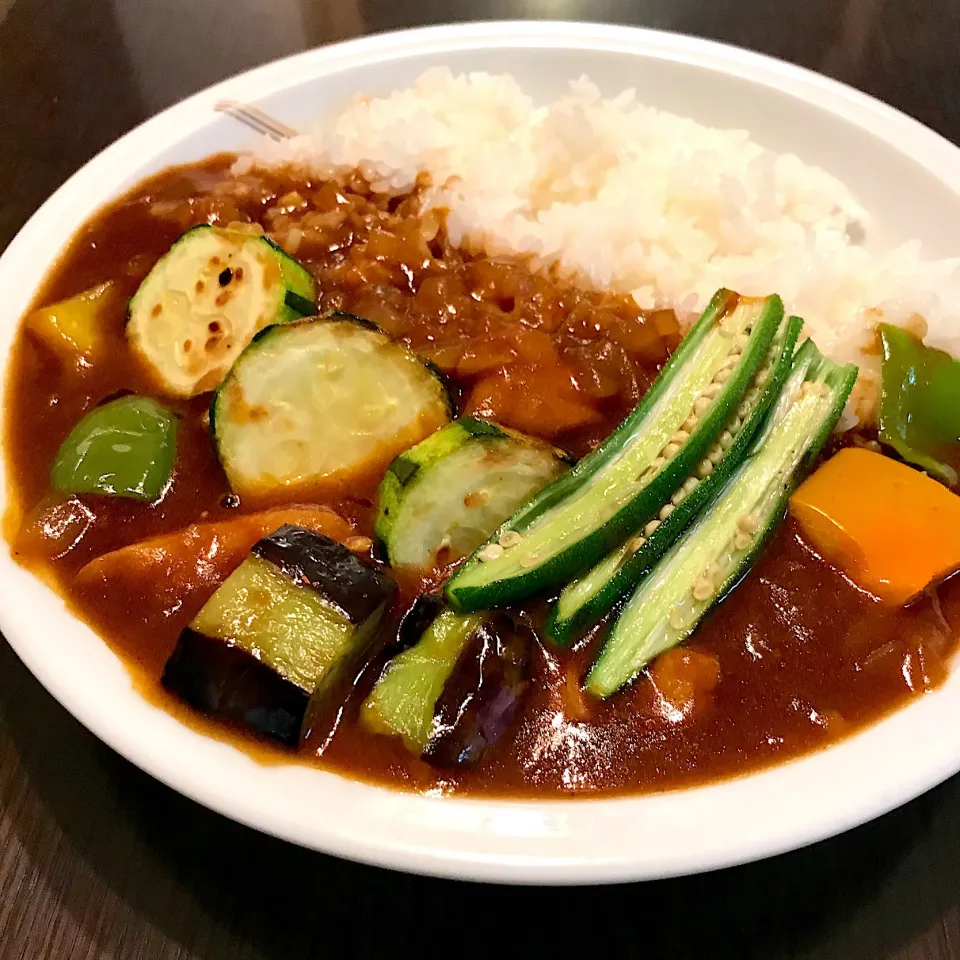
311	559
222	679
482	694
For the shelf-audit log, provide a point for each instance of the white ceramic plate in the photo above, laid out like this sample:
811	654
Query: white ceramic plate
907	176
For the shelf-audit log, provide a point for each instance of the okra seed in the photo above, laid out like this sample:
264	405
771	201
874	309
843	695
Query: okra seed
702	588
744	409
749	523
681	436
721	376
658	463
705	468
671	450
731	361
509	539
715	454
666	510
726	439
736	426
491	552
752	395
651	526
691	484
676	618
690	423
741	342
701	405
711	390
741	540
636	543
679	495
762	377
531	561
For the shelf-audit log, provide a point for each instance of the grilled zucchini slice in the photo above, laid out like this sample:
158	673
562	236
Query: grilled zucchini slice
322	403
571	524
584	601
442	498
299	613
716	552
204	300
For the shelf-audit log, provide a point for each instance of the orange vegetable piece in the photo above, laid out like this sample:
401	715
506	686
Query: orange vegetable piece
179	571
888	527
75	328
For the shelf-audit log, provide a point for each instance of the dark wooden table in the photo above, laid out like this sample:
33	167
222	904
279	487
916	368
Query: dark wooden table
98	860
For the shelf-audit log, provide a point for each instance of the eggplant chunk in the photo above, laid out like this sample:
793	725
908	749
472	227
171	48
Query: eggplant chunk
482	695
296	617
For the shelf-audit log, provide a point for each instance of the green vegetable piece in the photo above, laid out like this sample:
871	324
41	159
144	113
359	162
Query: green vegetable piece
920	403
402	702
124	448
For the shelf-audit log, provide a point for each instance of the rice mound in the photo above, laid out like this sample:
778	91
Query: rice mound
625	197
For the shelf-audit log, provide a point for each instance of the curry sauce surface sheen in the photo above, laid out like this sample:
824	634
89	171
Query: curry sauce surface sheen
770	674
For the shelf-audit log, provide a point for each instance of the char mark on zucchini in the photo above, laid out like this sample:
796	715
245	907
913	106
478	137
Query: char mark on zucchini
204	300
297	616
717	551
571	524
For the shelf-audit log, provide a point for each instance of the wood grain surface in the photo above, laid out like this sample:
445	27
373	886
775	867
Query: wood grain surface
97	860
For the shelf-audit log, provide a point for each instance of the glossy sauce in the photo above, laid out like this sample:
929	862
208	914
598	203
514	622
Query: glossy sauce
769	675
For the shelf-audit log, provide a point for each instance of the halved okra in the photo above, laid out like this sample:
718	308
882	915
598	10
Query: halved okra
715	553
296	617
571	524
584	601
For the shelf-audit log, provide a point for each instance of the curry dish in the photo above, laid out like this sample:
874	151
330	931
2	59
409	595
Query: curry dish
261	466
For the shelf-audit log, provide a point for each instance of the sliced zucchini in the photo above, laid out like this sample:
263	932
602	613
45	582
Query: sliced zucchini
444	497
299	612
717	551
401	704
584	601
206	298
322	403
571	524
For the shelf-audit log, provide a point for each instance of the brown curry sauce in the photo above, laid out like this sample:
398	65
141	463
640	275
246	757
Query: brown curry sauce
767	676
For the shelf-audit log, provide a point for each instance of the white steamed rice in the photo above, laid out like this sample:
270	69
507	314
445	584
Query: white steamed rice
629	198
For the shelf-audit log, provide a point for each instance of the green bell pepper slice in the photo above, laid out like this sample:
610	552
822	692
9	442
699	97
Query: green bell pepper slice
124	448
920	403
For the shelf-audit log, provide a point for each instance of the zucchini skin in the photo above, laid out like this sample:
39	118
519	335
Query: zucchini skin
777	462
562	630
588	549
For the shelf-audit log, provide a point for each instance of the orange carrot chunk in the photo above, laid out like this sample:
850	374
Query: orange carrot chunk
888	527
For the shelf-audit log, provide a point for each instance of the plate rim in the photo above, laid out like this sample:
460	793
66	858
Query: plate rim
496	818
